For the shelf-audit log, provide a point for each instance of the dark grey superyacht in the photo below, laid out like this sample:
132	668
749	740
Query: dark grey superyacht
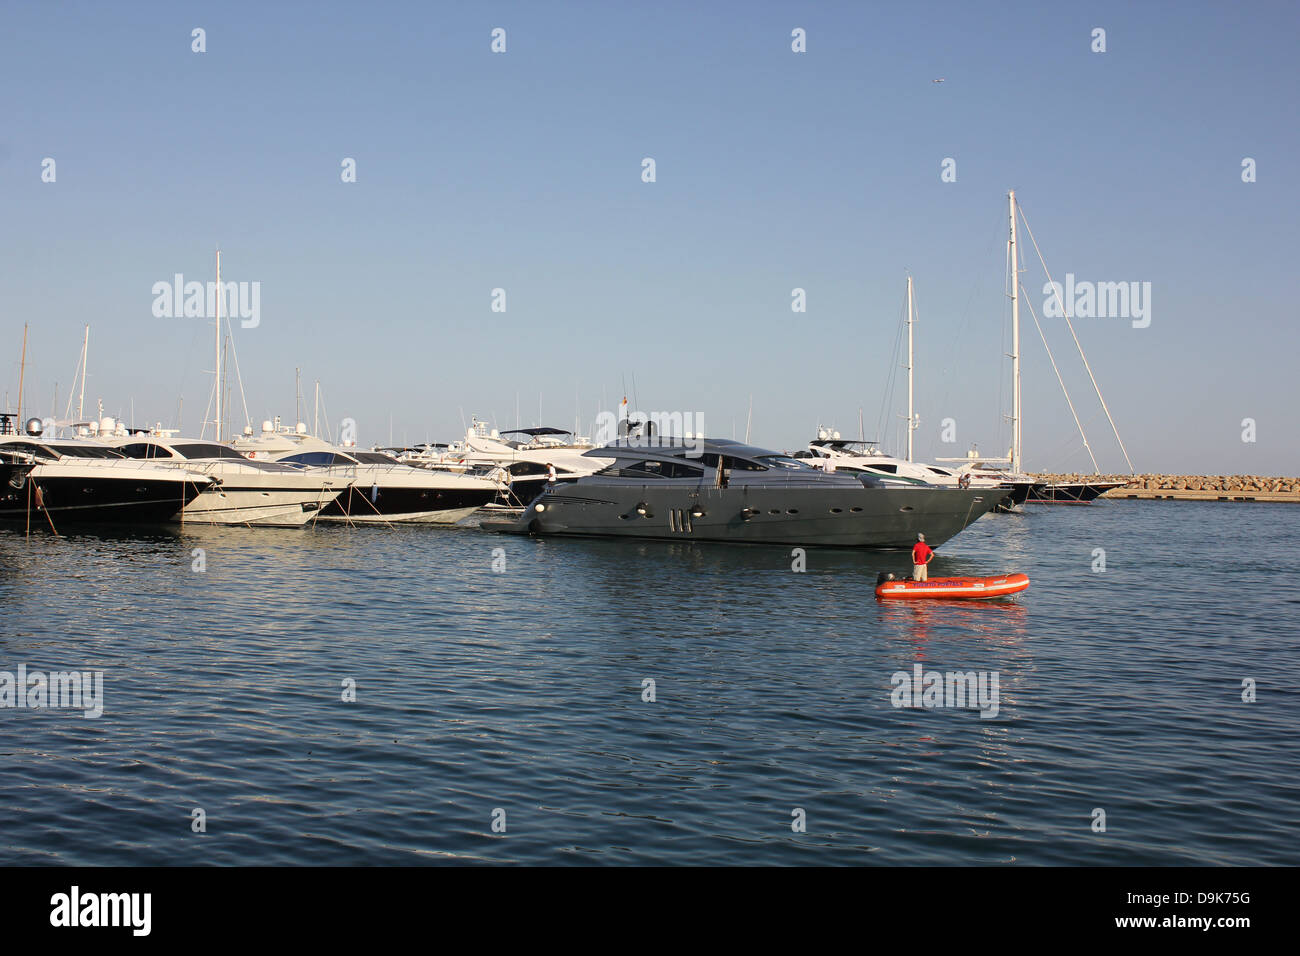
719	490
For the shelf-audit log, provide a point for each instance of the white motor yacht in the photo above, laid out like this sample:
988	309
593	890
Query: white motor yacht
75	480
245	492
379	489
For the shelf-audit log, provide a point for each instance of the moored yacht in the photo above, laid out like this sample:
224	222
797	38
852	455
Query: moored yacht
525	457
378	488
73	480
1070	492
720	490
245	492
1020	485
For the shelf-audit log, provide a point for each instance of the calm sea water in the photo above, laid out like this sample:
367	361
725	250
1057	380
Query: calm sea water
521	690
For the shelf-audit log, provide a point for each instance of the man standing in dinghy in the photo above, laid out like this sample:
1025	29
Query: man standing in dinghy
922	555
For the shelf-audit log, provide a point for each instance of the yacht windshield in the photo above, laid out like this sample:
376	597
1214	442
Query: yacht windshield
207	450
325	458
85	451
781	461
375	458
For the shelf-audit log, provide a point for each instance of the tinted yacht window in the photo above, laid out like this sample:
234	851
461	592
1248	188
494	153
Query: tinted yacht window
735	464
317	458
652	469
663	469
207	450
28	448
144	450
86	451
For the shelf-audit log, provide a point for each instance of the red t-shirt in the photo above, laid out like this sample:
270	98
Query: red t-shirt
921	552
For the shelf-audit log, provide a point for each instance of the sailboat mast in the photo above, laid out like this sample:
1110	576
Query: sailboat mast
81	399
217	389
911	417
1015	336
22	374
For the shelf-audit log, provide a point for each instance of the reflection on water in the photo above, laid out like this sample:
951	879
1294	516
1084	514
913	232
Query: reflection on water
525	687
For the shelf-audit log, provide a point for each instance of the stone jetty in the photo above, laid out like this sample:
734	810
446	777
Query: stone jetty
1195	487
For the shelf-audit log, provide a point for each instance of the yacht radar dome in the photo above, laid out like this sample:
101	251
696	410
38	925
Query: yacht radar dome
34	427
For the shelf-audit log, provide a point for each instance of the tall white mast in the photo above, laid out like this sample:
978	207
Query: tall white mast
911	417
81	400
1015	336
217	388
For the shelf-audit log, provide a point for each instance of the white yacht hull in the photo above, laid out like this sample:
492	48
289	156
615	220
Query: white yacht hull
268	509
447	516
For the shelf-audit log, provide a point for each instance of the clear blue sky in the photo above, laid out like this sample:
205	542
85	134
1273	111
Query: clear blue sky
775	170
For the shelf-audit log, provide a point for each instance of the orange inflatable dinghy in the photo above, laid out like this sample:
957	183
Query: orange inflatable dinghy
978	589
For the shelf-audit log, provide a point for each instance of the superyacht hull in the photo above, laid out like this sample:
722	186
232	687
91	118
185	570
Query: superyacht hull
1071	493
94	499
256	507
389	504
849	517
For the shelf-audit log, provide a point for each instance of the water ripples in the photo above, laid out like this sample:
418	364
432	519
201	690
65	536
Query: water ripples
522	691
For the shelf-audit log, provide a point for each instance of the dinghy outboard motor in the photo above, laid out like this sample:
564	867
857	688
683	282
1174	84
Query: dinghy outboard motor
884	576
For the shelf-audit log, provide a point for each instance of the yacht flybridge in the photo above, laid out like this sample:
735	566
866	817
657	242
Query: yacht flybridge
721	490
378	489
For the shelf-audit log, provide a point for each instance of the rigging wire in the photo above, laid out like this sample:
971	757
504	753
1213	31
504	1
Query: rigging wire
1061	381
887	399
1097	388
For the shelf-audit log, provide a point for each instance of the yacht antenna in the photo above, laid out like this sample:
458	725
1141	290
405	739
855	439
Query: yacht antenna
315	422
750	419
